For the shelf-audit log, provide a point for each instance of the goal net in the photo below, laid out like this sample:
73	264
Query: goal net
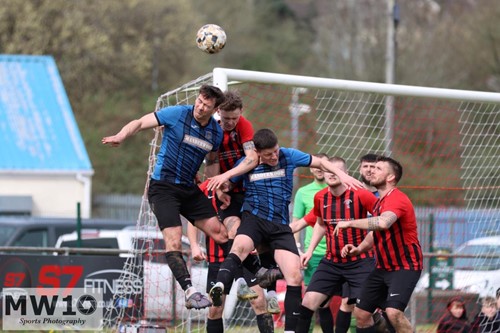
448	142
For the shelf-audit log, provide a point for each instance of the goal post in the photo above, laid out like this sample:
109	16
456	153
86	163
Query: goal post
447	140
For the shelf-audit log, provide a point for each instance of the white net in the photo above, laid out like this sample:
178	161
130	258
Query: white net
448	145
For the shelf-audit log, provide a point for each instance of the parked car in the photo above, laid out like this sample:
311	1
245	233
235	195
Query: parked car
44	231
475	274
158	282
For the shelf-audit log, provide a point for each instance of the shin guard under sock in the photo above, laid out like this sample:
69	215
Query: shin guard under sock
179	269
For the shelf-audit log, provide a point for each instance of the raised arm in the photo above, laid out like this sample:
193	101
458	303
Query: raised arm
137	125
328	166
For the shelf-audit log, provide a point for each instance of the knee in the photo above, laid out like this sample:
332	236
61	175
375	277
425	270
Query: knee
220	235
239	250
394	315
294	278
173	244
309	303
221	238
363	317
259	305
232	223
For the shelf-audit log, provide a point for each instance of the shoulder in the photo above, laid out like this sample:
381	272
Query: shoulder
306	187
321	193
175	108
244	123
173	112
364	194
297	155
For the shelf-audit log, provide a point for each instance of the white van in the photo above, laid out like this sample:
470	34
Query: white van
474	274
158	283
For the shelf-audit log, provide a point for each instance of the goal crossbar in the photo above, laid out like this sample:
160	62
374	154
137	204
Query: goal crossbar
221	77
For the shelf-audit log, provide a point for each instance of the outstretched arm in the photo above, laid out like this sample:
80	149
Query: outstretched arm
146	122
249	162
328	166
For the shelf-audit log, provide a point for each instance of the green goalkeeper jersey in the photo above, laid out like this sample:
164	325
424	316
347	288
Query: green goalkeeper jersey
302	204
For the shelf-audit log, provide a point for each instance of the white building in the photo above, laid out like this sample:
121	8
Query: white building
44	167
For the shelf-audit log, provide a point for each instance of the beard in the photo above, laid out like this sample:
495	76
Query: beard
376	184
364	180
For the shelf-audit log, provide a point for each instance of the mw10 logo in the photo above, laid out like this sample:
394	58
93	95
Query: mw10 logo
51	309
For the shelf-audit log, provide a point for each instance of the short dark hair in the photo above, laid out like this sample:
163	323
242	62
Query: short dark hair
212	92
368	158
232	101
397	168
265	139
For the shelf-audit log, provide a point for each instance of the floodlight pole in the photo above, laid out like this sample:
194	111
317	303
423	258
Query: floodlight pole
390	71
296	110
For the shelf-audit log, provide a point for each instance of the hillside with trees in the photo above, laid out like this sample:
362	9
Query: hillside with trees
117	56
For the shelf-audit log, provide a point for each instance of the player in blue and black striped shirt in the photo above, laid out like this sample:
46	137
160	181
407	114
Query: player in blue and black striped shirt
265	217
190	133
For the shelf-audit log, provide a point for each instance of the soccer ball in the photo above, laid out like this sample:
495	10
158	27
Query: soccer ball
211	38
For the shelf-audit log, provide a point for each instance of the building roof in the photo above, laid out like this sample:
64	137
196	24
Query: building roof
38	131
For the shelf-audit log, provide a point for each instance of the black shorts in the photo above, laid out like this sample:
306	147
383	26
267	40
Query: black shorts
278	236
332	278
169	201
385	289
234	208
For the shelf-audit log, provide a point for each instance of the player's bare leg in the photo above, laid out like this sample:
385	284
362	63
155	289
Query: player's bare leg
213	228
215	323
399	320
175	260
289	264
264	319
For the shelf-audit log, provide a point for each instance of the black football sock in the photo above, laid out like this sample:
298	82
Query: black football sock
305	319
179	269
252	263
293	301
215	326
265	323
227	270
343	321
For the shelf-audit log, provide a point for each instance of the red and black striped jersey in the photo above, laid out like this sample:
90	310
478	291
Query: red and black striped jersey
350	205
214	251
398	247
231	149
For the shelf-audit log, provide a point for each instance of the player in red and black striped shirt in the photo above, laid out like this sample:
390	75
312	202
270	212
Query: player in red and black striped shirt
397	249
333	204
